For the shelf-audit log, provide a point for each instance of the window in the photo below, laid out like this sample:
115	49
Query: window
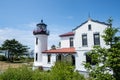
96	39
36	41
84	40
71	42
89	60
49	58
89	27
36	57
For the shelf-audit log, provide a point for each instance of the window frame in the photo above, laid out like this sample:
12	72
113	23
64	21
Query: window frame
96	37
84	40
89	27
71	42
49	58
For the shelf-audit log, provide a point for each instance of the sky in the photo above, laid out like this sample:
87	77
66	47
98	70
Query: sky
18	18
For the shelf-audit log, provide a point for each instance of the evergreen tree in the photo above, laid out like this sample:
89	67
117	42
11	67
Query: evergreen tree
14	48
53	47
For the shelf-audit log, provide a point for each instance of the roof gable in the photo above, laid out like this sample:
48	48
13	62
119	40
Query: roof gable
96	21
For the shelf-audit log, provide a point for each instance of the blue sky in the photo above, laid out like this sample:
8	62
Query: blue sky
18	18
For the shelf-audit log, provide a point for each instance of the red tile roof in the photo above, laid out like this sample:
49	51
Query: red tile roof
67	34
61	51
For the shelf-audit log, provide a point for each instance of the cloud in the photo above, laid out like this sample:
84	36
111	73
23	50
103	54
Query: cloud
26	37
23	36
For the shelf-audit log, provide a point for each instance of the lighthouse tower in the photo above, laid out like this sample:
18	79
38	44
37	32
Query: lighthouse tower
41	37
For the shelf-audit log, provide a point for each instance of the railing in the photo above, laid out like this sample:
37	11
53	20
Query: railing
35	32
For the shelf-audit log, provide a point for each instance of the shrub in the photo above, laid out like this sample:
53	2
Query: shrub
2	58
41	75
61	71
22	73
65	71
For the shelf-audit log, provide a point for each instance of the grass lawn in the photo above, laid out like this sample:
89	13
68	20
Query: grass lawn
5	65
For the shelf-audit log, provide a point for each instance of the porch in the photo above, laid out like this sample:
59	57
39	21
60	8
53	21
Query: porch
62	54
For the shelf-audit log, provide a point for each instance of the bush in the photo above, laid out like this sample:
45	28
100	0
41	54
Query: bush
41	75
65	71
61	71
2	58
22	73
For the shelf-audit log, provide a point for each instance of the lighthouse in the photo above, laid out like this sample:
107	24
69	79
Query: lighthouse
41	38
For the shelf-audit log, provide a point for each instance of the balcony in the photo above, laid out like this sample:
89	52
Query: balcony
40	31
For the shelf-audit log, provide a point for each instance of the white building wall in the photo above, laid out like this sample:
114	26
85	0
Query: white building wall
80	59
47	65
65	41
96	27
81	50
39	48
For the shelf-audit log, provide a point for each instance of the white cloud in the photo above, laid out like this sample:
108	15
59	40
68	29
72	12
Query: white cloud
26	37
23	36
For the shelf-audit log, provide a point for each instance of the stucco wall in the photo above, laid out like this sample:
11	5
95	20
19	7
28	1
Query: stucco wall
45	60
96	27
65	41
39	48
81	50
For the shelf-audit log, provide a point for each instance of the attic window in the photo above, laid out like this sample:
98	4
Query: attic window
89	27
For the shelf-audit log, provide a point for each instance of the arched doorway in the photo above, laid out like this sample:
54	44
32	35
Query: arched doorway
60	57
69	58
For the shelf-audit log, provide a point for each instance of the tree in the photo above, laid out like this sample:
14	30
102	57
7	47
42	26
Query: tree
14	48
53	47
107	60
